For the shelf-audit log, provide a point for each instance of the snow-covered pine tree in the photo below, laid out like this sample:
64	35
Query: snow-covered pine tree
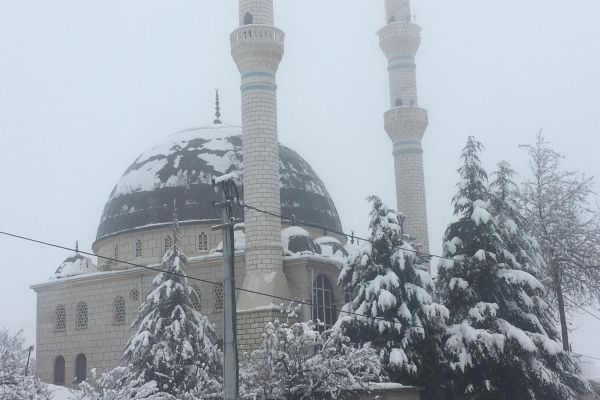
502	344
296	362
392	289
175	345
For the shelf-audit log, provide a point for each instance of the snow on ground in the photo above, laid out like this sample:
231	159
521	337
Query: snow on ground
60	393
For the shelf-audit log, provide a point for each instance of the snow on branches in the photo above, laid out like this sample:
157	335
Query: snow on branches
298	362
502	342
393	295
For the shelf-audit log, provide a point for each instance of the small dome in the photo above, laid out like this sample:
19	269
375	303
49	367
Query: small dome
183	168
295	240
75	265
331	247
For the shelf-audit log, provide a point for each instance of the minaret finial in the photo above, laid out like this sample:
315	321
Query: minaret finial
77	246
217	108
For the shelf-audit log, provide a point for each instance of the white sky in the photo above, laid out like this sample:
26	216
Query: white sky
87	86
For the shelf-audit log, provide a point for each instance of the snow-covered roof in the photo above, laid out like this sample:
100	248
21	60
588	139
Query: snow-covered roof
75	265
183	167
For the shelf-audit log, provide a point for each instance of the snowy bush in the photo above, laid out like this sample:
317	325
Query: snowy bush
298	362
502	343
393	295
14	383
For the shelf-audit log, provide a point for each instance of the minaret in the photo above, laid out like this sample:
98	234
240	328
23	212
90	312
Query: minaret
257	48
405	122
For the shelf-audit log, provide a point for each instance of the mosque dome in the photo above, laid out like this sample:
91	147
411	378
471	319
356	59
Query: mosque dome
182	168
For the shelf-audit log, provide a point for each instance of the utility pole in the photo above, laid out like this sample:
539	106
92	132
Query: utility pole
230	366
28	358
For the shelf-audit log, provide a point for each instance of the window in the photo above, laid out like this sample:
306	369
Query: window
196	298
168	242
322	303
116	252
59	370
119	306
80	368
134	295
138	248
248	19
81	317
218	297
203	241
398	102
391	19
61	318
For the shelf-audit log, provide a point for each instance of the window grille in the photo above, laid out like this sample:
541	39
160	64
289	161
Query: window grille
119	307
348	294
218	297
80	368
81	317
196	298
59	370
203	241
138	248
322	303
135	295
61	318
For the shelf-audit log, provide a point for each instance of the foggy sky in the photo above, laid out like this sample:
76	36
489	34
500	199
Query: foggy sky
85	87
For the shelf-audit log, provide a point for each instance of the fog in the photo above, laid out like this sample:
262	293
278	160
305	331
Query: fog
85	87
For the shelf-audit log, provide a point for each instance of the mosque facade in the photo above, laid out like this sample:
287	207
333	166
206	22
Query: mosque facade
84	312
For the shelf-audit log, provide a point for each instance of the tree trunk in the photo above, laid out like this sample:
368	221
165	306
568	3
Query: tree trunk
561	310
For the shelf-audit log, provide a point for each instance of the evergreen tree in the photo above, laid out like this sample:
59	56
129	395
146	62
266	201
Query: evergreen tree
502	344
174	344
392	289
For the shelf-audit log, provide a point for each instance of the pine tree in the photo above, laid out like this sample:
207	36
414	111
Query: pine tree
502	344
174	344
392	289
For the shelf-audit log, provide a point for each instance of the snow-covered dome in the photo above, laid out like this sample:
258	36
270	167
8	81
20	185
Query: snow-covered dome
183	168
75	265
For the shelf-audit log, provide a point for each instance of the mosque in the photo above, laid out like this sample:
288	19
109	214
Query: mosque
84	312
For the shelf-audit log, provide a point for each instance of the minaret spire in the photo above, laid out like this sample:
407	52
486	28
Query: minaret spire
405	122
217	120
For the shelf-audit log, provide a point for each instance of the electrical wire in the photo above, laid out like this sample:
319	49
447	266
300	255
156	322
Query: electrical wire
147	267
581	307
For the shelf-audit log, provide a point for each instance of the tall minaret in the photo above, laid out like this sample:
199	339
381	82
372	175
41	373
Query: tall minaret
405	122
257	48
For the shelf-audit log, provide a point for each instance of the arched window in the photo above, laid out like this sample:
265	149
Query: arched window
218	297
60	324
391	19
116	252
203	241
138	248
80	368
168	242
59	370
398	102
196	298
323	303
248	19
81	316
134	295
119	310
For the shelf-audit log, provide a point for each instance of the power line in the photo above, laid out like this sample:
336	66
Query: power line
147	267
296	301
582	308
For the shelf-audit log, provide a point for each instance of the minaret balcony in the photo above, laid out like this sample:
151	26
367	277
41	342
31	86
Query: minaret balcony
405	123
400	38
257	47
